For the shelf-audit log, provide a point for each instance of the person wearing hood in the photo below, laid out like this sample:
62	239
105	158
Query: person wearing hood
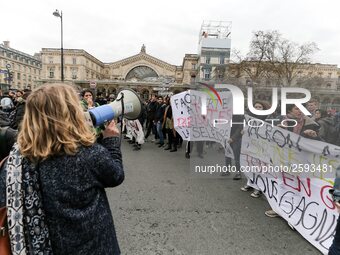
327	131
304	125
19	109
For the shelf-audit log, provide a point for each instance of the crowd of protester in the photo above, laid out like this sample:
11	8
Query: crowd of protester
156	121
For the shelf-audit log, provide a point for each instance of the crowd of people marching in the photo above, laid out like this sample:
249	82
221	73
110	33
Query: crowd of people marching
156	124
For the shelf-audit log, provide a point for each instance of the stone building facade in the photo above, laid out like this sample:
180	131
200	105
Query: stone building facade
24	68
141	72
149	75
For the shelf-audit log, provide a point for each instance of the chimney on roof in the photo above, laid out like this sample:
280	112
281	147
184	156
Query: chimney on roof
6	44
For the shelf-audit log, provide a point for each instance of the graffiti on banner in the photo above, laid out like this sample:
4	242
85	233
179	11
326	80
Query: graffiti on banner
295	174
193	126
134	130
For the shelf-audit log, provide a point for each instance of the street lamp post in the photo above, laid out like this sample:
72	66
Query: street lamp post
60	15
9	75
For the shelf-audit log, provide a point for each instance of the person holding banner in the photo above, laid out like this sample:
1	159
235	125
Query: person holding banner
258	105
335	247
327	131
304	126
235	141
169	127
199	148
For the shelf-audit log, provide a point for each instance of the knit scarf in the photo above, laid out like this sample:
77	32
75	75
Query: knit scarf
300	122
25	213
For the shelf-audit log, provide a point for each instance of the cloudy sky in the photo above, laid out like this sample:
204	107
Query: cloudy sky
112	30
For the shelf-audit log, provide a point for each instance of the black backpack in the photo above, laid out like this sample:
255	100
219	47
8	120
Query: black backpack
7	139
3	141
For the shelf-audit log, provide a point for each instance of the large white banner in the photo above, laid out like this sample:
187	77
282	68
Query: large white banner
192	125
295	174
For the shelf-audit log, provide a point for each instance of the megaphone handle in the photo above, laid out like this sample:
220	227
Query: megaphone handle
121	99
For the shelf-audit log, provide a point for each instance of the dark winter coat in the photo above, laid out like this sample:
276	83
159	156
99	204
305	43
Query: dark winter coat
327	131
19	115
7	139
77	210
160	112
151	110
307	124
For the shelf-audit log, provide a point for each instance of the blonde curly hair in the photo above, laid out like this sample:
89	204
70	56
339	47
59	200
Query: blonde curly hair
53	123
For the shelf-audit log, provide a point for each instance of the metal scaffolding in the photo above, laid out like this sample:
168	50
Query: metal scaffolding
215	29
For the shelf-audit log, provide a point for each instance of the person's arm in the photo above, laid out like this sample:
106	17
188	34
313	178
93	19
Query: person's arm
337	206
2	186
108	165
11	137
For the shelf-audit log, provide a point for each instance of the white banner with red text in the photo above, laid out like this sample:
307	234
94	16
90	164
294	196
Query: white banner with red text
295	174
192	125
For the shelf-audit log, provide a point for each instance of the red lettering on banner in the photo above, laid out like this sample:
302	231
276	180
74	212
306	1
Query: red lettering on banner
296	183
286	179
326	197
300	183
189	121
181	122
225	114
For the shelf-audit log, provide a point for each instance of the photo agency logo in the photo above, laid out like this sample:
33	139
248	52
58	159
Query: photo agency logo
238	107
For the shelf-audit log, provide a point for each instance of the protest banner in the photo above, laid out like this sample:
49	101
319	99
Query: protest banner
193	126
134	130
295	174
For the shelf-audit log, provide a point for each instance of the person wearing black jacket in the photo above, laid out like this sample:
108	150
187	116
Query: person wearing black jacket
327	131
304	125
19	110
159	120
151	111
335	247
7	139
235	141
169	127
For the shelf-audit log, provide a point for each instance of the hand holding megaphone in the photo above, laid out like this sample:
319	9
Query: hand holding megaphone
111	130
127	102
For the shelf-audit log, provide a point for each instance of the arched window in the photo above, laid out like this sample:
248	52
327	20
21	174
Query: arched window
141	73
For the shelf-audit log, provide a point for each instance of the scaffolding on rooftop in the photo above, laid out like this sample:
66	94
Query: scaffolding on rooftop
215	29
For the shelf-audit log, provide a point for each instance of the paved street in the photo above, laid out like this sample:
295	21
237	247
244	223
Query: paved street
162	209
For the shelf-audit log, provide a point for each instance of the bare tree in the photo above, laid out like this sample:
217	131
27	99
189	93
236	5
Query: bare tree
273	57
255	63
286	57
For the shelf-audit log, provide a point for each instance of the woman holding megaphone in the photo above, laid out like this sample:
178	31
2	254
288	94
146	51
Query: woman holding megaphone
56	176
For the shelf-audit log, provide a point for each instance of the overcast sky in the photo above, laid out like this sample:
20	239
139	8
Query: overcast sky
111	30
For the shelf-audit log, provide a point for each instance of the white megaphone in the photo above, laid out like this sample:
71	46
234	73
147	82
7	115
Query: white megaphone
127	102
